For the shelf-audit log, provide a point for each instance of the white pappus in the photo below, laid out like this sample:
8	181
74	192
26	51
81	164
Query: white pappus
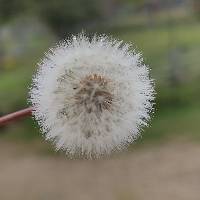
92	96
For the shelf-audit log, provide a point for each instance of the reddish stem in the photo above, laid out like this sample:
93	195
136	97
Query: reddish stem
15	116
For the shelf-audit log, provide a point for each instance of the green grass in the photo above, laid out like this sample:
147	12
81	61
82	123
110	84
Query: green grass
169	48
174	122
156	43
14	87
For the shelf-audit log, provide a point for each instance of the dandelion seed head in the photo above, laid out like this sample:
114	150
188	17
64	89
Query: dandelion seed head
92	97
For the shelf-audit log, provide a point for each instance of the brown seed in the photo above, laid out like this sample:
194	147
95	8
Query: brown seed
90	89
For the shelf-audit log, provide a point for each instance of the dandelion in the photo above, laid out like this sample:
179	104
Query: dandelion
92	97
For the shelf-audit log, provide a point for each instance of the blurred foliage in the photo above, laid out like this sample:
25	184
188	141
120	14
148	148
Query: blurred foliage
196	6
65	15
9	9
61	16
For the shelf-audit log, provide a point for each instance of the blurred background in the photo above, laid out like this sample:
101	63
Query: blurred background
164	163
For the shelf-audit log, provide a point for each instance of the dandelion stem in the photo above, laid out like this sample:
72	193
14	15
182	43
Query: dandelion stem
15	116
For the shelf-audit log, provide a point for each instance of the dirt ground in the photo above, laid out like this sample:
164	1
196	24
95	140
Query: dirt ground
165	172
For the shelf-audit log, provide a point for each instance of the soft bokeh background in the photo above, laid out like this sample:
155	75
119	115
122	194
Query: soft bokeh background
165	162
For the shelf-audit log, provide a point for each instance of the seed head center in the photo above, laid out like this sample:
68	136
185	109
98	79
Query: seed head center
93	94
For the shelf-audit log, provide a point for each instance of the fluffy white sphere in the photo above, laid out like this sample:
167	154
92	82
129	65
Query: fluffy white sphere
92	96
